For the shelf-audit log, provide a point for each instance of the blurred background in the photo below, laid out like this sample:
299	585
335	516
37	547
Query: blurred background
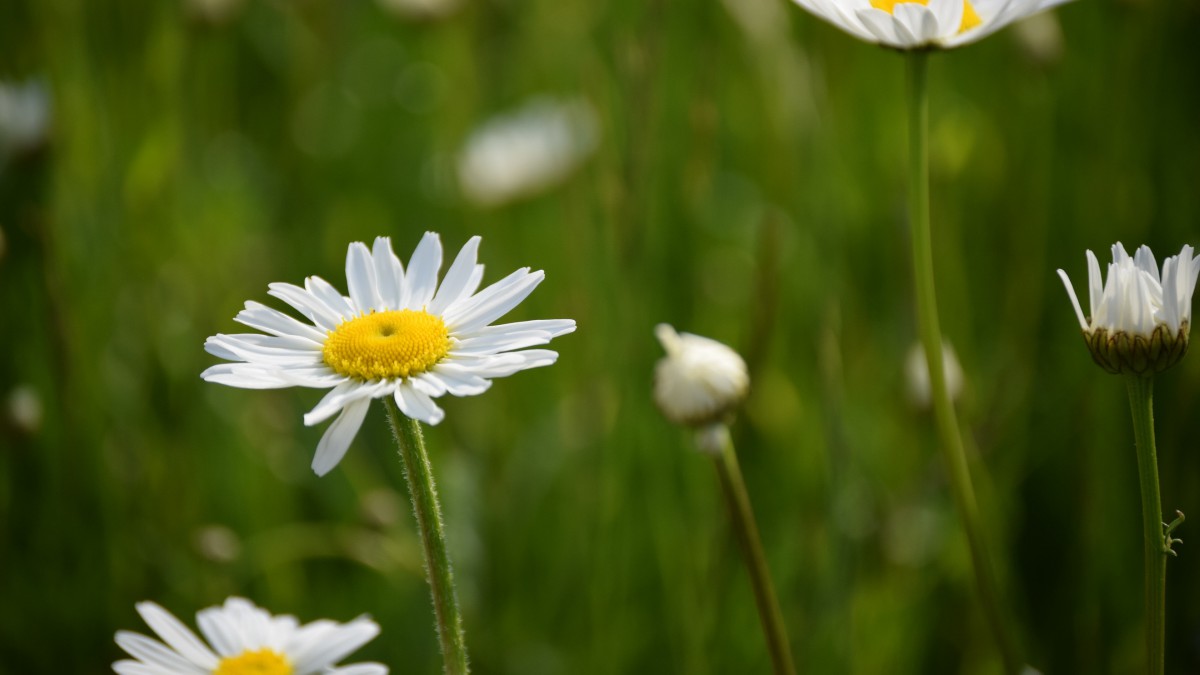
733	167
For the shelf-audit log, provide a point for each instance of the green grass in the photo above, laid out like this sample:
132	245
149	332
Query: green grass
746	188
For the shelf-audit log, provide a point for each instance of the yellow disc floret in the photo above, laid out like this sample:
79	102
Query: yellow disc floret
387	345
259	662
970	18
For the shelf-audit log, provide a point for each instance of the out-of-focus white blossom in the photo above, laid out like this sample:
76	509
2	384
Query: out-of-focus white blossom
524	152
421	9
24	117
916	374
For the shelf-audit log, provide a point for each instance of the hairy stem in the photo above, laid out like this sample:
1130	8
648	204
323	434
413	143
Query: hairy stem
428	514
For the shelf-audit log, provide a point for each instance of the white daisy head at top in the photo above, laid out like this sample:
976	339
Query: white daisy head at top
923	24
1140	319
700	380
398	333
244	640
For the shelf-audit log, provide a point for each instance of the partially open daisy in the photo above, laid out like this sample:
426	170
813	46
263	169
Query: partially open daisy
1140	319
399	333
921	24
245	640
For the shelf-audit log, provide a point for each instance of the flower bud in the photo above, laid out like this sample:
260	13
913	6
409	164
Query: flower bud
700	380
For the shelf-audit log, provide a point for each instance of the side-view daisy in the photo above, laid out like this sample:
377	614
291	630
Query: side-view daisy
1139	319
921	24
245	640
399	333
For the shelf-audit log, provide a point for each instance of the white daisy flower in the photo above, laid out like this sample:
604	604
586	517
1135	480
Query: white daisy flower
699	380
399	333
245	640
1140	319
921	24
527	151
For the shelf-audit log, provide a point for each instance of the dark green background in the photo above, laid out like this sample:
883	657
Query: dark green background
749	187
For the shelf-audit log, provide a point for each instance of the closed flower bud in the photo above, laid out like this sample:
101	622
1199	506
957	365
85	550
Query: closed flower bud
700	380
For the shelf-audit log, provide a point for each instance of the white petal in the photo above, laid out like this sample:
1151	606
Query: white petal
155	653
275	322
457	277
489	305
306	303
881	25
1074	300
460	381
389	273
360	278
338	436
916	23
1144	259
360	669
1095	283
138	668
334	645
421	280
554	327
333	402
1170	286
332	297
949	14
220	629
178	636
242	348
244	376
417	405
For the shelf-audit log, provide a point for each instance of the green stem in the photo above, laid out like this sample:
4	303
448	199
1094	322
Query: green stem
423	491
737	499
931	338
1141	403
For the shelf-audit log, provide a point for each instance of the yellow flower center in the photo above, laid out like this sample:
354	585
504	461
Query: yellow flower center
387	345
261	662
969	20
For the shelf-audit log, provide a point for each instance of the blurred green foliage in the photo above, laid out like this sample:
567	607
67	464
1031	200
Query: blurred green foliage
748	186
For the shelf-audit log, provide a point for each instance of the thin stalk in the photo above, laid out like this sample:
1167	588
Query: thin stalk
931	338
1141	403
423	491
737	499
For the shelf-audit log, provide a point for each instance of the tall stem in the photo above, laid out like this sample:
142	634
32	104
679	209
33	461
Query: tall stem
428	514
737	499
931	338
1141	403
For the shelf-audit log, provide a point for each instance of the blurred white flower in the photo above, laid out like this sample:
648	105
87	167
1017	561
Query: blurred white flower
700	380
245	640
1140	320
916	374
24	117
1040	37
25	408
217	543
214	11
420	9
921	24
524	152
399	333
